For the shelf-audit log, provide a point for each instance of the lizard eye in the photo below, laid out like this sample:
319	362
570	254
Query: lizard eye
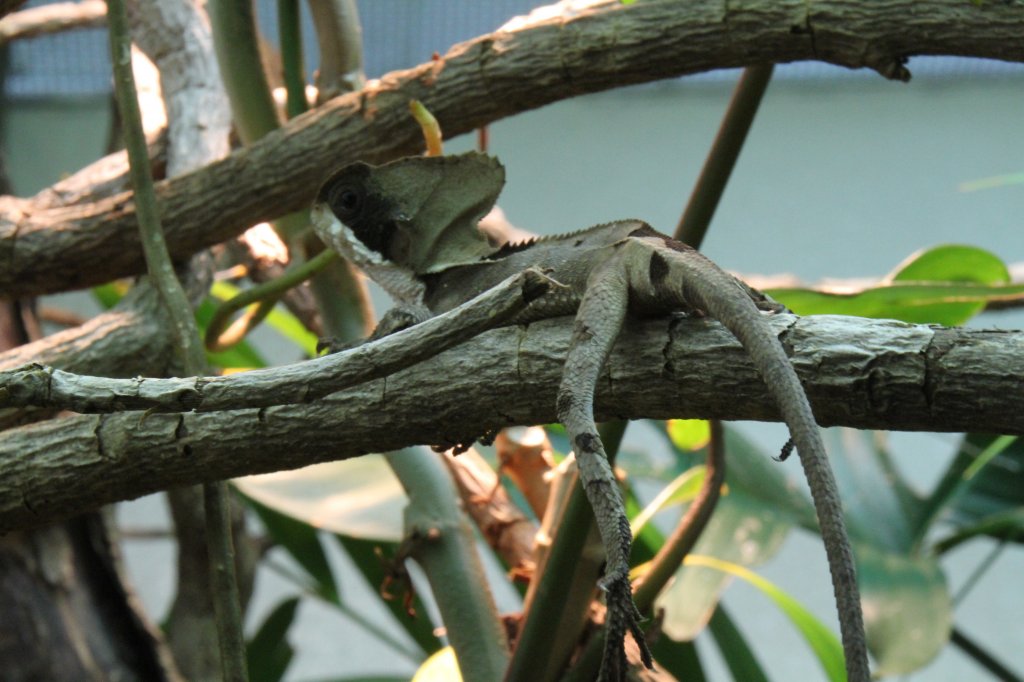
347	203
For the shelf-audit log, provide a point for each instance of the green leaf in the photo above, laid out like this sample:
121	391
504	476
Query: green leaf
268	652
821	640
947	284
919	303
1008	525
281	321
907	605
370	558
908	611
952	263
359	497
741	531
738	655
754	474
991	182
689	434
682	489
108	295
973	494
240	356
880	507
289	326
302	541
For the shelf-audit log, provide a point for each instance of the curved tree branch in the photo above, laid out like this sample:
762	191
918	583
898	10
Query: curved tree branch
475	83
876	374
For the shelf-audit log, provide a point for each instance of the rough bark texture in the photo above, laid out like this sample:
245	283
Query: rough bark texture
868	374
478	82
61	587
67	615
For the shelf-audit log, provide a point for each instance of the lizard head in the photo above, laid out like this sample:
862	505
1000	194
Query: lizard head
419	214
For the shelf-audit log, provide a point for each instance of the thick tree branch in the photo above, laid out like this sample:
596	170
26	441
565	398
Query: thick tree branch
478	82
864	373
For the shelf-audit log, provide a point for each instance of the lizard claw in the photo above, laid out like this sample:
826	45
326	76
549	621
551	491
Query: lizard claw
332	345
622	616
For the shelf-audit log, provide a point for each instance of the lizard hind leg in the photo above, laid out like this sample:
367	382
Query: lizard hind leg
598	322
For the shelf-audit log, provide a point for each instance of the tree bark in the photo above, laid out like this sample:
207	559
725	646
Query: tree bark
876	374
67	614
478	82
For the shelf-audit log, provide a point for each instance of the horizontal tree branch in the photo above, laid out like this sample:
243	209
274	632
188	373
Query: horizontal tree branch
877	374
475	83
61	16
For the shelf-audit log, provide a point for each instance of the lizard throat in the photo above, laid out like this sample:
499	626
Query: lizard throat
399	282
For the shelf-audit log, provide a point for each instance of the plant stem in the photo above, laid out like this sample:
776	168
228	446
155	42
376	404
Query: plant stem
439	538
566	586
688	531
722	157
338	289
266	294
291	56
982	657
224	588
238	53
339	35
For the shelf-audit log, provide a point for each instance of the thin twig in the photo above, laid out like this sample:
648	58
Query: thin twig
291	56
161	271
982	657
266	295
722	157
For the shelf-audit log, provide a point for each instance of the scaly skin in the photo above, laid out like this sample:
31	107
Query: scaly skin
373	214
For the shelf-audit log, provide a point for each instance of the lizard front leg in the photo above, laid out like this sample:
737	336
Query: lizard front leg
598	322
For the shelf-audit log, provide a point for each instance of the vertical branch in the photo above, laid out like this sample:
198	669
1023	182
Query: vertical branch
158	261
161	271
561	602
340	37
339	290
291	56
439	538
722	158
234	30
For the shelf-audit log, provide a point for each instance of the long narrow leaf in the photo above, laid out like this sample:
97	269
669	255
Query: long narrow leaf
302	542
821	640
269	652
738	655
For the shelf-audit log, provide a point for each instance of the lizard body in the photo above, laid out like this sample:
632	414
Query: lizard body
421	244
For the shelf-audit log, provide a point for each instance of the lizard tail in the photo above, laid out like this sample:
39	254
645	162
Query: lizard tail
719	294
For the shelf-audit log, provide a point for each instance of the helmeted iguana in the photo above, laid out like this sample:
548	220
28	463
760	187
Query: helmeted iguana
412	226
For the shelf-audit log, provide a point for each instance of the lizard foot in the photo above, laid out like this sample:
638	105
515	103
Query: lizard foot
332	345
622	616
